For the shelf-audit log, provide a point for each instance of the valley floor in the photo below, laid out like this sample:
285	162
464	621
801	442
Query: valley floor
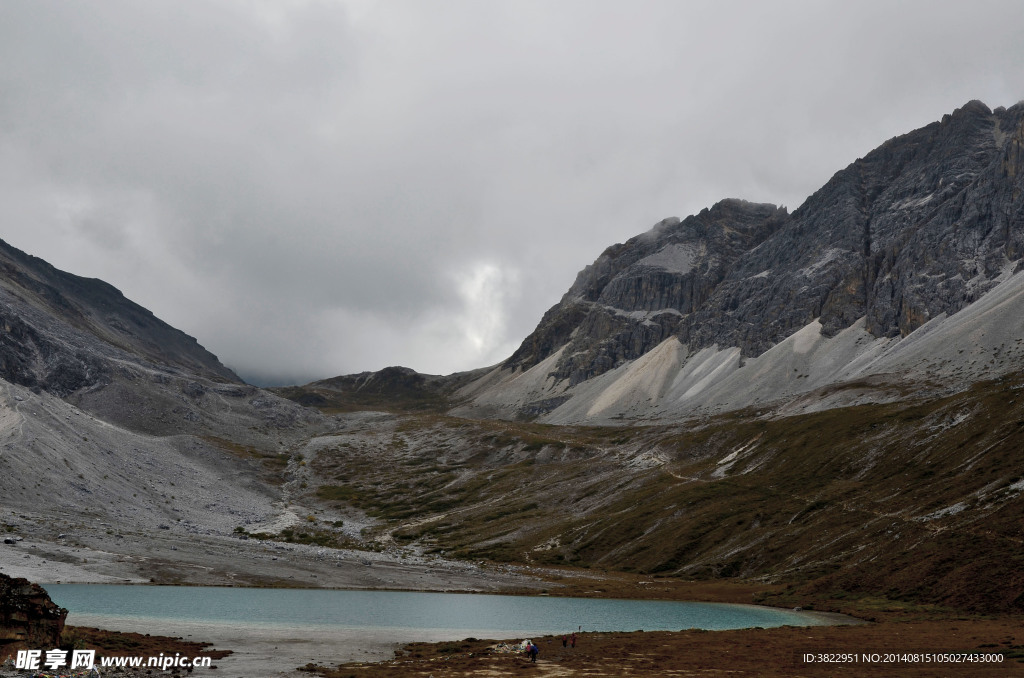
919	501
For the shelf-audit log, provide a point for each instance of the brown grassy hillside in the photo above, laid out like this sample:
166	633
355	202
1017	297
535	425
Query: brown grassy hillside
917	501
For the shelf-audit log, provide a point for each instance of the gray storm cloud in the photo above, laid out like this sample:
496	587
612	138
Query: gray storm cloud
316	188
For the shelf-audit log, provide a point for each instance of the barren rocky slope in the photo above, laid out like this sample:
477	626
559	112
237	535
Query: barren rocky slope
129	452
81	340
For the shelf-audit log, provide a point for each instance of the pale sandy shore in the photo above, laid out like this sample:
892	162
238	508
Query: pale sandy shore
276	651
216	560
261	651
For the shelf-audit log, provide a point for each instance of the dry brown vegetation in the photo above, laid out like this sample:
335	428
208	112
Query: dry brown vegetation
899	628
272	462
753	652
918	502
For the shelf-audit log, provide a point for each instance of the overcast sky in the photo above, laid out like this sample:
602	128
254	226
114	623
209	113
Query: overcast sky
321	188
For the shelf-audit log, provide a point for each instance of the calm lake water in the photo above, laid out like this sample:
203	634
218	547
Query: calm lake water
486	615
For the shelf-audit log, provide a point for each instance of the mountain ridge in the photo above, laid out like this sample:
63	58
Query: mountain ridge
94	308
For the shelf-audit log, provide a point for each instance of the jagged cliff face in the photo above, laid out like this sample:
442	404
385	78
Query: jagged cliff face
28	618
919	229
641	292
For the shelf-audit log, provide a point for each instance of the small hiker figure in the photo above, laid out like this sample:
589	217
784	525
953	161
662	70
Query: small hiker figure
533	650
572	640
565	641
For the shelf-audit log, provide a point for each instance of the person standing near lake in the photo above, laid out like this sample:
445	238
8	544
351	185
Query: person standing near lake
572	640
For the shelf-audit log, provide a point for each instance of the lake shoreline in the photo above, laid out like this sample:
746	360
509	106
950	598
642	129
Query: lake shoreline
279	650
890	626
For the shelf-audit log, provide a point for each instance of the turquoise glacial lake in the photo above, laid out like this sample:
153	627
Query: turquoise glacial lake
491	616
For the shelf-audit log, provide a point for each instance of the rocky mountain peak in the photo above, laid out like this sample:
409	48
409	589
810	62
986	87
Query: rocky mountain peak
919	228
676	246
970	109
637	293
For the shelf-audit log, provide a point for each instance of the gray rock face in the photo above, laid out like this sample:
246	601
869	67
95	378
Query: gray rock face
919	227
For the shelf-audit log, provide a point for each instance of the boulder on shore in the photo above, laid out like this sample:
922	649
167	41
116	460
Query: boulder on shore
28	618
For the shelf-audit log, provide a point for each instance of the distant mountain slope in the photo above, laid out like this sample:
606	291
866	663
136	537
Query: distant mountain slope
81	340
61	330
392	389
122	440
893	248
